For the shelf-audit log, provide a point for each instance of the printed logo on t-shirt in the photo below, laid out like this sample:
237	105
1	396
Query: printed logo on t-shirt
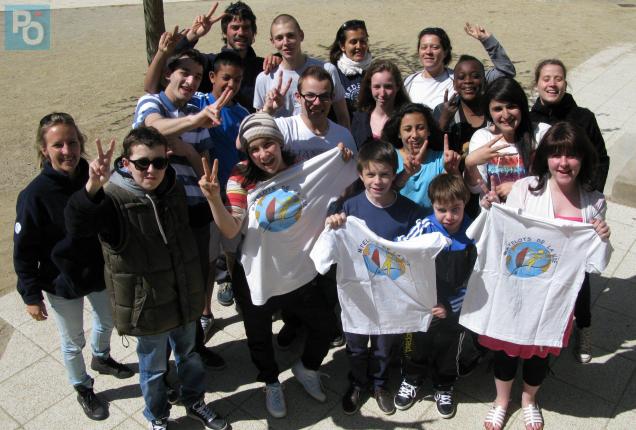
527	258
278	209
381	261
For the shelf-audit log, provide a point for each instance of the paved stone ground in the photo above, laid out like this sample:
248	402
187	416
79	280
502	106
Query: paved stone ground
34	392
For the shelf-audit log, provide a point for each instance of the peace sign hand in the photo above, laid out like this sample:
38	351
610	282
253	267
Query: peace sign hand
449	108
209	182
476	31
275	98
489	196
99	169
486	153
451	158
203	23
168	41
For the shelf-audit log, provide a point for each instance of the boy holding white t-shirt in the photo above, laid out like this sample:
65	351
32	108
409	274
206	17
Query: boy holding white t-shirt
388	214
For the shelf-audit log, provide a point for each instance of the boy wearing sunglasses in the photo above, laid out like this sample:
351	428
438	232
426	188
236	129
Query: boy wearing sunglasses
152	267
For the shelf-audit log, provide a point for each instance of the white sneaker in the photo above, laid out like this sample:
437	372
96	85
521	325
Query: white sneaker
275	400
310	380
583	348
207	322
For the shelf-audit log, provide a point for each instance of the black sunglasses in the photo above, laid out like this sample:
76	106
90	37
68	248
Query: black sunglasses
159	163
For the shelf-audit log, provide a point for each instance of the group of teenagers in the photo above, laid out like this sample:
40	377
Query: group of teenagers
143	236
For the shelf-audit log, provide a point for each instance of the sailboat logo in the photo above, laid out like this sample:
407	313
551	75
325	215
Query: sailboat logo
528	259
381	261
278	210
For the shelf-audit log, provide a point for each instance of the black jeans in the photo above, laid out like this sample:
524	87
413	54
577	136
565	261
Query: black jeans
434	352
305	303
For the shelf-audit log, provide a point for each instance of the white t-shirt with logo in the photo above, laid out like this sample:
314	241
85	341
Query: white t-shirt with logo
528	274
285	216
305	144
384	287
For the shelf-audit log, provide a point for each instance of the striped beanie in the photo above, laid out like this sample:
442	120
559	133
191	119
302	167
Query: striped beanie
259	124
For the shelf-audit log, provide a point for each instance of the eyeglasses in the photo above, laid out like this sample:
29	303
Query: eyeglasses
311	97
159	163
354	23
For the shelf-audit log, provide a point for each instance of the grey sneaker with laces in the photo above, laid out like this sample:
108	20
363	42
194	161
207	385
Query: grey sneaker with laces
275	400
310	380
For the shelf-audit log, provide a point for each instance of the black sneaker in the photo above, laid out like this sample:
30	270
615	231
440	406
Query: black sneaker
93	407
109	366
161	424
202	412
384	400
405	396
285	337
212	360
352	400
445	405
173	396
338	341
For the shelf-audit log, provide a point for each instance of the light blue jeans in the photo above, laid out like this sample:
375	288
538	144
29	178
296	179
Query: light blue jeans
70	324
152	351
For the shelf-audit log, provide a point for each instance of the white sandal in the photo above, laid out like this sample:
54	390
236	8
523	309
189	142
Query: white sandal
532	415
496	416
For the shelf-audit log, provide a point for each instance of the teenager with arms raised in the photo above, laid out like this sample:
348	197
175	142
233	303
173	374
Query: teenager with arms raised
435	52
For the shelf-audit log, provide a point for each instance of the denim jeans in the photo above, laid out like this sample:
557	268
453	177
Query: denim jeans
151	351
69	319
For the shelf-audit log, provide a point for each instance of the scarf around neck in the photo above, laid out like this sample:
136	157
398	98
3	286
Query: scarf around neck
350	67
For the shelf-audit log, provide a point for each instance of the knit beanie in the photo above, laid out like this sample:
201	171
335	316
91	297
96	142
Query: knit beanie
259	124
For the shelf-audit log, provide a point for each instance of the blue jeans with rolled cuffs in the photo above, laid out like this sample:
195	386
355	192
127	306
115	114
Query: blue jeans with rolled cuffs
69	317
151	351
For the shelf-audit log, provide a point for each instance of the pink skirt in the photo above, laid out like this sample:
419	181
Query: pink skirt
526	351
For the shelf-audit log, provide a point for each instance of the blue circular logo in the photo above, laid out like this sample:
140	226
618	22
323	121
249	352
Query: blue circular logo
381	261
278	210
528	259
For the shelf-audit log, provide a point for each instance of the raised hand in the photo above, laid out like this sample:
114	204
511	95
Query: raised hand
209	182
476	31
451	158
222	101
203	23
99	168
486	153
449	108
489	197
271	62
168	40
275	98
601	227
336	221
345	152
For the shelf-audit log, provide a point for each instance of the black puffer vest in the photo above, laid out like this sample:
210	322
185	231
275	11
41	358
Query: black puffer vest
153	274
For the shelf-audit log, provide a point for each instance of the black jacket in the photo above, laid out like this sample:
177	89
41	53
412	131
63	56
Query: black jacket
45	257
567	110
